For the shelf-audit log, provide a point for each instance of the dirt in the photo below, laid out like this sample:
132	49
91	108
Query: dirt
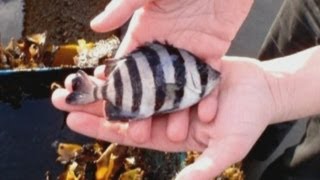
66	21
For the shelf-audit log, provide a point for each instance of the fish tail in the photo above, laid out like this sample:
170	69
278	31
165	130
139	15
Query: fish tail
83	90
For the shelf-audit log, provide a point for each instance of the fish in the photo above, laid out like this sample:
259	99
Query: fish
153	79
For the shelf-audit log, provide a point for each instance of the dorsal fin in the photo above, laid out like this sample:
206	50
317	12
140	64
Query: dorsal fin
111	64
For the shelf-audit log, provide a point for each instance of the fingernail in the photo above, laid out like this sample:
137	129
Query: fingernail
96	21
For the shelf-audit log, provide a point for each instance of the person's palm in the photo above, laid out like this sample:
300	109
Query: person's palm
205	28
245	108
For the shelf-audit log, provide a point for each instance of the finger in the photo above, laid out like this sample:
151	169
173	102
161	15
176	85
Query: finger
97	127
207	107
218	156
115	14
178	125
68	81
127	45
58	99
99	72
214	63
140	130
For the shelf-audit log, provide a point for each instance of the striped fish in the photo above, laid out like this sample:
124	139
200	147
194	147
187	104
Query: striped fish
153	79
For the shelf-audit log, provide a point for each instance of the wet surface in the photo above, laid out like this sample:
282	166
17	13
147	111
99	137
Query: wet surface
27	136
17	86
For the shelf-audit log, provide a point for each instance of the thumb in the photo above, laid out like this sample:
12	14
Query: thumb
115	14
218	156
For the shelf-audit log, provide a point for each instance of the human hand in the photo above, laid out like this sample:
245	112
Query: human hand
205	28
246	107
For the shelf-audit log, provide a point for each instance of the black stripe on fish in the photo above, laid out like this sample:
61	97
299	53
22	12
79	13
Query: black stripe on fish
203	73
135	83
104	92
158	75
95	93
116	113
179	74
118	86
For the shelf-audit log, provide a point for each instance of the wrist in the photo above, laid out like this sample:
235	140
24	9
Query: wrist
277	87
294	84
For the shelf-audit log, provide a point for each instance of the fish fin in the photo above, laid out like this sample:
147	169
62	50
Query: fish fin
171	89
164	43
168	44
111	64
115	113
83	89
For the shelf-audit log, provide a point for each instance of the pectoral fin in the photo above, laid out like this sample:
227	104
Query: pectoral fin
117	113
172	90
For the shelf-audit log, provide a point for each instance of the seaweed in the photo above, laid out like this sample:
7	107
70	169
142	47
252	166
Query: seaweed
29	65
28	52
101	161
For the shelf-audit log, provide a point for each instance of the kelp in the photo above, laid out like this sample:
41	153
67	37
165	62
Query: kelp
27	52
103	162
33	52
100	162
29	65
